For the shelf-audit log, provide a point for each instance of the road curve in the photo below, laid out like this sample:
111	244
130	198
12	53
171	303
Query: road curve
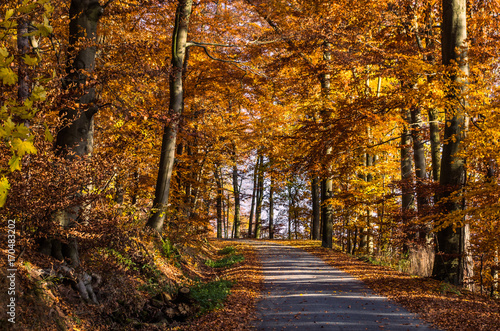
304	293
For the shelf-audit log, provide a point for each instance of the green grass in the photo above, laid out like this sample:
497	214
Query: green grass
211	295
225	262
227	250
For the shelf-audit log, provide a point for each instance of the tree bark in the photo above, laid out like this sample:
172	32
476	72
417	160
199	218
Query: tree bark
327	183
435	143
418	157
260	198
218	181
451	263
76	138
271	209
23	48
236	191
252	207
167	156
407	198
327	212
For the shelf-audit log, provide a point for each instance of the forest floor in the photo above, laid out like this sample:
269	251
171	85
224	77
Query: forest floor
139	285
131	277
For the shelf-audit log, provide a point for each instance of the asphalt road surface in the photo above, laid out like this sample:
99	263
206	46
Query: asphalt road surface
304	293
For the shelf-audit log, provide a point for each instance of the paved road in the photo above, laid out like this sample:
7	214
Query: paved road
304	293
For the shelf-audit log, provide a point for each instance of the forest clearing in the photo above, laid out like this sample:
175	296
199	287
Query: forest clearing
151	150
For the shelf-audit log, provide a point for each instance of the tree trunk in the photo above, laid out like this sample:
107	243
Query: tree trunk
236	190
419	157
75	138
327	212
23	48
250	221
450	264
421	254
167	156
271	209
435	143
327	183
260	197
218	181
407	199
316	220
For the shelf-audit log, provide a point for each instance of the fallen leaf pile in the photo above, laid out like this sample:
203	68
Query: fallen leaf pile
239	308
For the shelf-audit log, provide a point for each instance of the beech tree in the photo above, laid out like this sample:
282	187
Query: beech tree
167	156
451	263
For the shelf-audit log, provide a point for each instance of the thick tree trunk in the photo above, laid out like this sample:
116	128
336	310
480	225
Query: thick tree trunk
451	257
75	138
316	218
167	156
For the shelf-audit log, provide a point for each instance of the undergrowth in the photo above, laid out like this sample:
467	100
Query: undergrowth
211	295
228	260
225	262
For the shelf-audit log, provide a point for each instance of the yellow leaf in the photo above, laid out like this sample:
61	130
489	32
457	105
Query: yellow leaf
4	189
15	163
22	147
9	13
8	76
31	61
48	135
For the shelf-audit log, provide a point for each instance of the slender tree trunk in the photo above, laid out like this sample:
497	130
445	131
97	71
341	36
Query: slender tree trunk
219	207
260	197
419	157
327	212
296	221
167	156
327	183
435	143
236	190
451	259
316	218
250	221
23	48
421	254
271	209
407	199
368	230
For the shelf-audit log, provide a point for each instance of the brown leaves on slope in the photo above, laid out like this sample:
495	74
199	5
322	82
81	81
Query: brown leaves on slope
442	305
239	308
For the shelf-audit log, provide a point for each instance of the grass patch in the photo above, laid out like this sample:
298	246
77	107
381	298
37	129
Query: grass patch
211	295
227	250
225	262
